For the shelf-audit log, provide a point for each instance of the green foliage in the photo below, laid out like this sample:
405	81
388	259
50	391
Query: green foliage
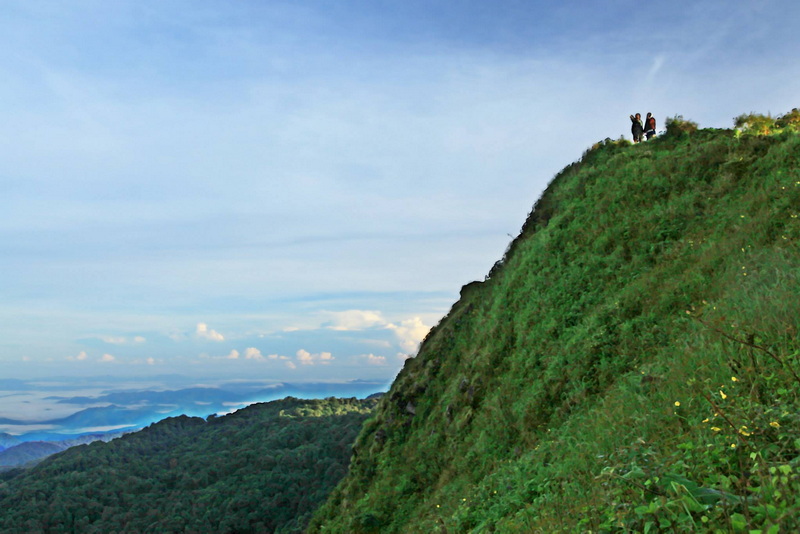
757	124
790	120
261	469
678	126
630	365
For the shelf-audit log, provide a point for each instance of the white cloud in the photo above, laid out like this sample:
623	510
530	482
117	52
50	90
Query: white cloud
151	361
122	340
306	358
252	353
291	365
354	319
107	358
203	332
80	357
234	355
410	333
371	359
658	62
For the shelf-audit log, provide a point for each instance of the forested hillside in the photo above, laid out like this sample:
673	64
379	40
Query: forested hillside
264	468
629	366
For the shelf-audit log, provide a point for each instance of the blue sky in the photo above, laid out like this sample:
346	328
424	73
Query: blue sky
297	190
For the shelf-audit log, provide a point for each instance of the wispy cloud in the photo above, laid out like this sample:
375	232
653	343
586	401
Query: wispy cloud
354	319
371	359
123	340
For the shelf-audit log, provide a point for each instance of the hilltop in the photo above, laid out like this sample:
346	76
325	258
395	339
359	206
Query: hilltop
628	366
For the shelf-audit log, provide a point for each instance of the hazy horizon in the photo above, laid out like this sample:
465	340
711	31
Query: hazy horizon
58	408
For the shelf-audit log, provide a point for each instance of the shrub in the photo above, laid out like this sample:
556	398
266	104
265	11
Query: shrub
755	123
790	121
678	126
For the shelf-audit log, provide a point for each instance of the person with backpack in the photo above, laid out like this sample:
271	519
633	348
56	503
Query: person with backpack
650	126
637	129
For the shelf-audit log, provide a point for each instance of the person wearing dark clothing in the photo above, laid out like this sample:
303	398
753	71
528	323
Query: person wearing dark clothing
650	126
637	129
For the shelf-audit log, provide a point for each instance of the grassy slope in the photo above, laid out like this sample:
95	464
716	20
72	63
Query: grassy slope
588	384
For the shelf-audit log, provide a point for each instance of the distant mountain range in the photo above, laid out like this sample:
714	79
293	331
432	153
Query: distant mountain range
113	413
7	440
28	453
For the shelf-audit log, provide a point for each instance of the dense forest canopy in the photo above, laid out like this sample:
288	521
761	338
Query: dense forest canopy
264	468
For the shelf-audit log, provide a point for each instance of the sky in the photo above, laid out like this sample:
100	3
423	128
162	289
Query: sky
297	190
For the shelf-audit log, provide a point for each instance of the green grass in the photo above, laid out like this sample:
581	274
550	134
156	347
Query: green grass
629	366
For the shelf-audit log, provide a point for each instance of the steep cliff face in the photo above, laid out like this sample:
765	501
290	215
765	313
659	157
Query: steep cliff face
628	364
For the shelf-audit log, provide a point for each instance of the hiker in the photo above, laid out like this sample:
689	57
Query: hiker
650	126
636	127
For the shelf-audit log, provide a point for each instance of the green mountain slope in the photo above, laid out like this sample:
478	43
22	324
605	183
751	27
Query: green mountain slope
629	366
264	468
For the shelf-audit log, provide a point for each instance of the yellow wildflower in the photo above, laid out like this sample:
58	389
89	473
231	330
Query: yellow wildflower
775	424
677	403
734	379
722	394
743	431
716	428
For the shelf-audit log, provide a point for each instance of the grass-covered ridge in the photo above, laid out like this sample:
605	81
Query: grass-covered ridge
629	366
